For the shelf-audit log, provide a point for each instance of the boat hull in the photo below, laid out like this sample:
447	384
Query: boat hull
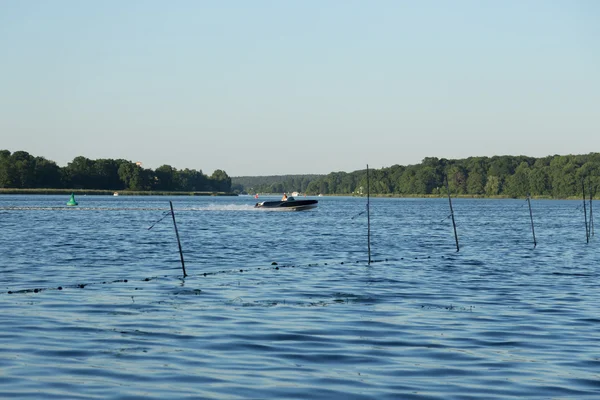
289	205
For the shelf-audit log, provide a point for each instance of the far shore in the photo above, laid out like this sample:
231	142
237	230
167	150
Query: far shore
93	192
437	196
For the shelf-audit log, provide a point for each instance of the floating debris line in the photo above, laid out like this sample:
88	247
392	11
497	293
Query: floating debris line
273	267
72	286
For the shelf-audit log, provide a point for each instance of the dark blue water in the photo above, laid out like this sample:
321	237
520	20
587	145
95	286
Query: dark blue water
497	320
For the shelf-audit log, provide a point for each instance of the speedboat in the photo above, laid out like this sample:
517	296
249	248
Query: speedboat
290	204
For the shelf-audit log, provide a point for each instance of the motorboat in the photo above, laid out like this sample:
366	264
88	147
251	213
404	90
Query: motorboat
290	204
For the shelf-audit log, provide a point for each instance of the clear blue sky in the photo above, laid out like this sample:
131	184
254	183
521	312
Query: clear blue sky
280	87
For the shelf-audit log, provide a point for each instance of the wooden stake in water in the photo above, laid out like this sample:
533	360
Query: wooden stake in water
368	216
591	217
452	214
531	216
587	232
178	241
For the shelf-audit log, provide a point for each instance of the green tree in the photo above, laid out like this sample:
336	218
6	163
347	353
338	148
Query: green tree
539	183
395	174
166	178
476	174
493	186
277	188
457	179
476	183
6	170
220	181
407	183
46	174
104	174
134	177
79	173
562	175
589	175
23	169
425	180
517	184
192	180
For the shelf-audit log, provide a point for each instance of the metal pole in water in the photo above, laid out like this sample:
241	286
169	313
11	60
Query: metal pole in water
587	232
452	214
531	216
591	218
368	216
178	241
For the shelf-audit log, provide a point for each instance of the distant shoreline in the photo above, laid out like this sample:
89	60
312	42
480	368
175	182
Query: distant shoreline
440	196
461	196
95	192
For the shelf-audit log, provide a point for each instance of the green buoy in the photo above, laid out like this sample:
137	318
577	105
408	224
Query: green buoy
72	201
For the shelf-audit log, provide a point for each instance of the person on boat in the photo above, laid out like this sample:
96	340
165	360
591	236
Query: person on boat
284	198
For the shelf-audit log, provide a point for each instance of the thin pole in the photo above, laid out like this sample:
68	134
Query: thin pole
531	216
368	216
591	217
587	232
178	242
452	214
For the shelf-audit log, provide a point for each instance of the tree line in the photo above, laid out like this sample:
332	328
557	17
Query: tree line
21	170
272	183
557	176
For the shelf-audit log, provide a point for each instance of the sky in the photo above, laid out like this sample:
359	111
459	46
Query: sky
298	87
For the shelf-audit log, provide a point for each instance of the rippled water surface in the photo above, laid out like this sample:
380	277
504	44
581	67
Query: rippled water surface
497	320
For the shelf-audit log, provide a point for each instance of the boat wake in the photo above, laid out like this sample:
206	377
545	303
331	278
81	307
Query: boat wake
234	207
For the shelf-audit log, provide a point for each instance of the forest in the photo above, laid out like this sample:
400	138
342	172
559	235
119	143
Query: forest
21	170
557	176
272	183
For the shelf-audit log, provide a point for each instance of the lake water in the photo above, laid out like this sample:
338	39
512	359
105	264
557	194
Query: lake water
497	320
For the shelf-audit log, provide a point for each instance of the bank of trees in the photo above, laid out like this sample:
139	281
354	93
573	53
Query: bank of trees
512	176
273	183
23	171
